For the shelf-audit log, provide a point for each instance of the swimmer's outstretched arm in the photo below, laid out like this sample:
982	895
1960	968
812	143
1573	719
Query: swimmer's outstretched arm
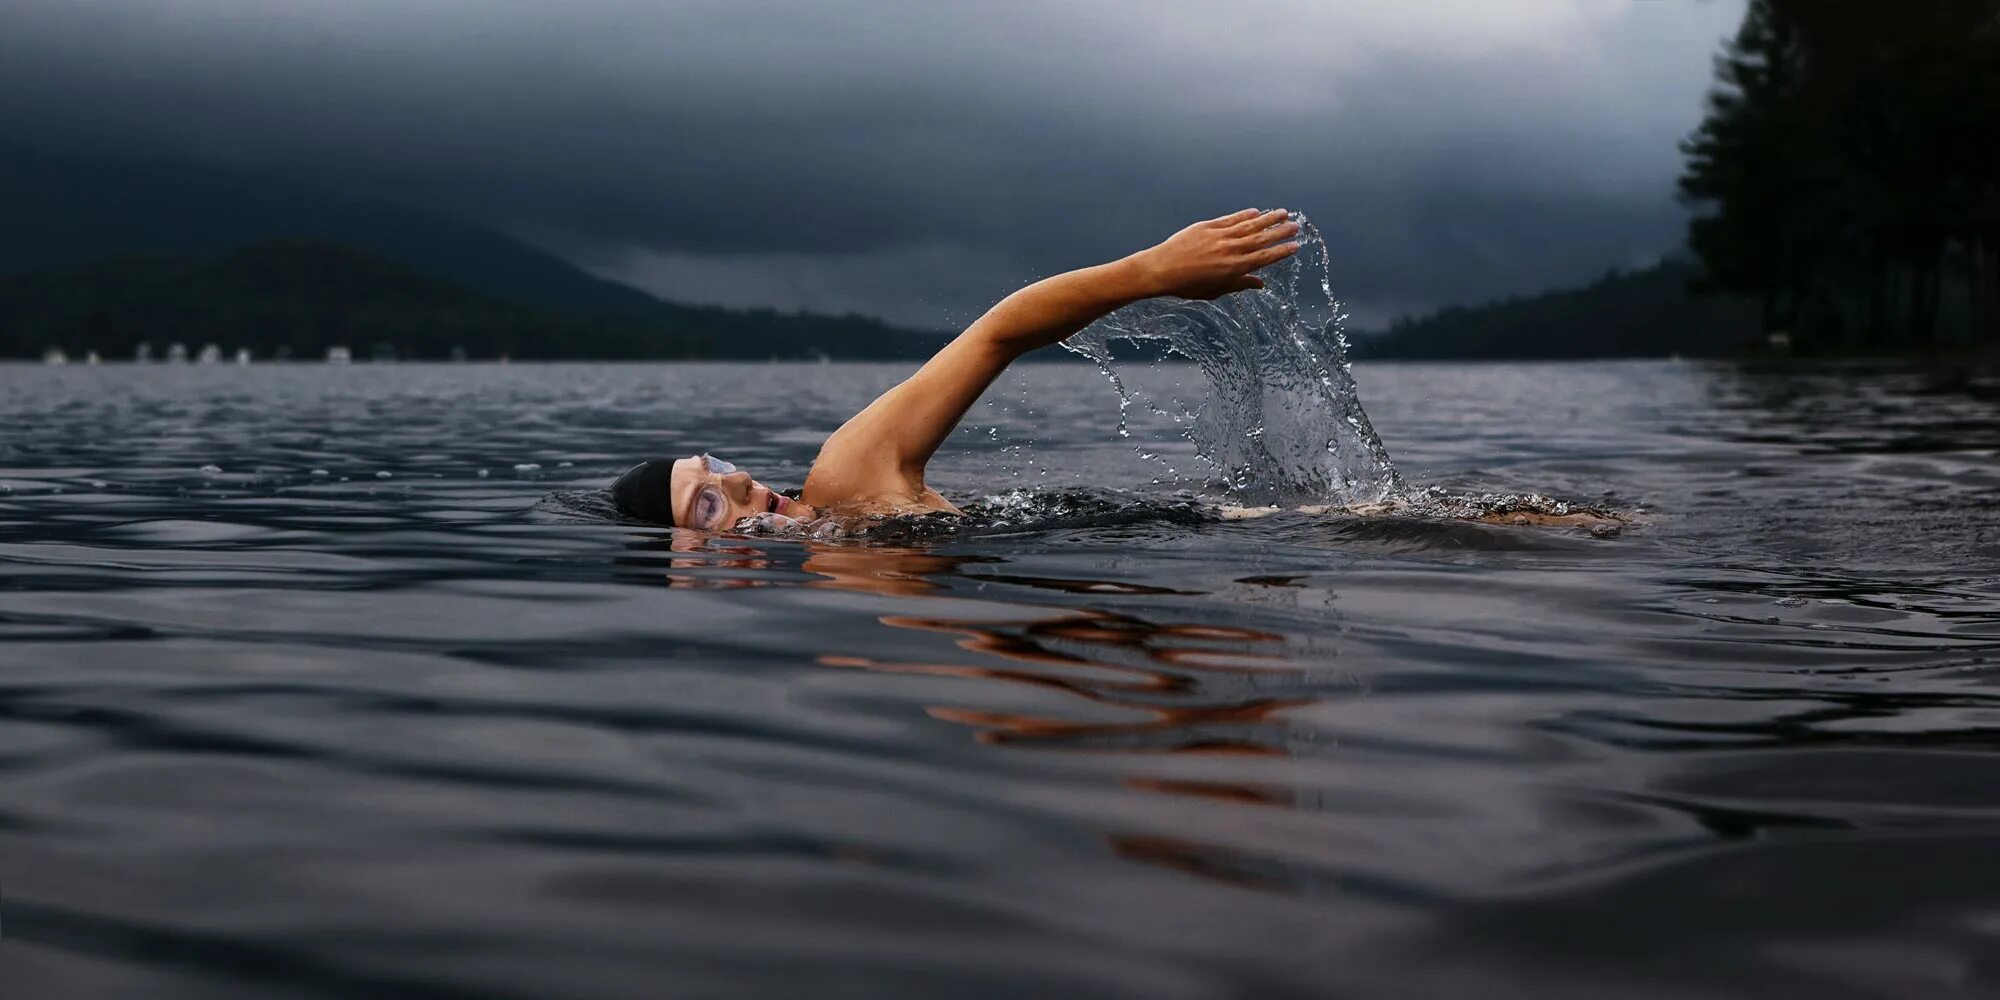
881	452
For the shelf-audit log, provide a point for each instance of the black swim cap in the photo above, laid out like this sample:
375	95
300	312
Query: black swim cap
646	491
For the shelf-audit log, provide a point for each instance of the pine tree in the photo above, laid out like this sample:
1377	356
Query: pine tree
1847	163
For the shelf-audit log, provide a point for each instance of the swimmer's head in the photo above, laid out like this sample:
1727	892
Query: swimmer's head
699	491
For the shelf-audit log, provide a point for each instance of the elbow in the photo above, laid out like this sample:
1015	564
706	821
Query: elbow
991	344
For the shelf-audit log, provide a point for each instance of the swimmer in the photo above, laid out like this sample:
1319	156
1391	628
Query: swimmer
874	464
1516	509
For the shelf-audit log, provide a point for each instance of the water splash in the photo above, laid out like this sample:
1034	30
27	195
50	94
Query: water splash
1282	421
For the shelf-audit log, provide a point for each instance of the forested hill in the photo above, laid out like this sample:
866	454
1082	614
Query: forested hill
1646	313
117	226
298	299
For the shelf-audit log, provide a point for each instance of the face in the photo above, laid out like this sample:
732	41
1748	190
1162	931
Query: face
712	495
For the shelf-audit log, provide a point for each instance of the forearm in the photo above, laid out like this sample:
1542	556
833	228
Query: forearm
1050	310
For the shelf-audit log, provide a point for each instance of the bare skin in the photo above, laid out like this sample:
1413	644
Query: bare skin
875	462
734	496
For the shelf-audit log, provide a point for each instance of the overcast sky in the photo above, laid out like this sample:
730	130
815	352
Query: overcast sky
918	159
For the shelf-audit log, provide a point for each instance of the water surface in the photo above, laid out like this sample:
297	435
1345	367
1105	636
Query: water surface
409	728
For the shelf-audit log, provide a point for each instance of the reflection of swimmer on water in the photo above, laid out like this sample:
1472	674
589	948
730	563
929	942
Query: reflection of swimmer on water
874	464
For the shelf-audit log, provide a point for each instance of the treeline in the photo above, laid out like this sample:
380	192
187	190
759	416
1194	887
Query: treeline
1848	169
297	299
1645	313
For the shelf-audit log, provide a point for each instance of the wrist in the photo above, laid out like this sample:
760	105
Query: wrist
1141	275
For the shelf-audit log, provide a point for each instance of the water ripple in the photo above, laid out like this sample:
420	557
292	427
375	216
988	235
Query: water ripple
283	724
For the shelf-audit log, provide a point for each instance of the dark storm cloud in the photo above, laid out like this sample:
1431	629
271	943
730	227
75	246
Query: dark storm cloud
915	159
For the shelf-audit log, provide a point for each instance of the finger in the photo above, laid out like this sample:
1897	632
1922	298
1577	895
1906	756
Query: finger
1259	222
1271	255
1262	238
1234	217
1247	283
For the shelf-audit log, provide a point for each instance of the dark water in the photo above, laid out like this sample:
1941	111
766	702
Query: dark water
269	734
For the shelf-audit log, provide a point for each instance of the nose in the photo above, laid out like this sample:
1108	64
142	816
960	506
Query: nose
737	485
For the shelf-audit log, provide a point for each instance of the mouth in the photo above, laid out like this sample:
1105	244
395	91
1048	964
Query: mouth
774	502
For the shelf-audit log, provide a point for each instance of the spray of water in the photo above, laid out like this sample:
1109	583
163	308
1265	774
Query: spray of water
1281	422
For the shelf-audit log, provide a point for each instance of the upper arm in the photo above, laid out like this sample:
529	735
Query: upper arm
886	446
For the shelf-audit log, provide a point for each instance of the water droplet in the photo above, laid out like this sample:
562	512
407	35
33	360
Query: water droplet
527	467
320	473
382	475
564	465
482	473
1791	602
210	470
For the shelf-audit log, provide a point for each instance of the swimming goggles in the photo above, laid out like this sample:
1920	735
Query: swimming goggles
709	506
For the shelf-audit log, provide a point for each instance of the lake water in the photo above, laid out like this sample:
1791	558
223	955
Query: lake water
417	727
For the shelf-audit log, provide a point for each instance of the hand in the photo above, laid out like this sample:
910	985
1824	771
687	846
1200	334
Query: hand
1213	258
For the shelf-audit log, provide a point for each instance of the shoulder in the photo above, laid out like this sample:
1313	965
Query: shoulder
855	480
888	499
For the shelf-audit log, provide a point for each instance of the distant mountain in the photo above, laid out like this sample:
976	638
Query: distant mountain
64	212
297	300
1646	313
